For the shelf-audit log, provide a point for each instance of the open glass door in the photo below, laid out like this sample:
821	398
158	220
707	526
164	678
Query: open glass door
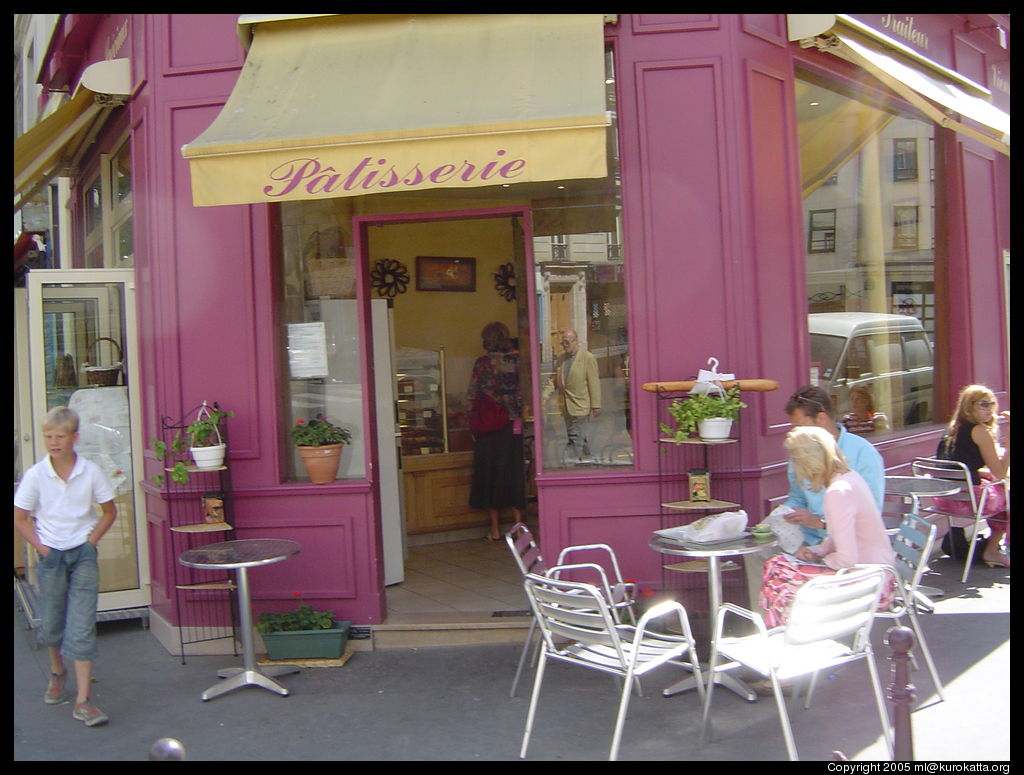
82	345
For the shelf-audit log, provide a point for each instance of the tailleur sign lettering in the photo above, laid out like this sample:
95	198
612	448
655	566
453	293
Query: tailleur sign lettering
369	174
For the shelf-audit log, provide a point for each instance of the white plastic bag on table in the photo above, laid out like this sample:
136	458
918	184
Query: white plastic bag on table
715	527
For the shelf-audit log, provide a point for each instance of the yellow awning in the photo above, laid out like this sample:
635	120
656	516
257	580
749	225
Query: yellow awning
41	151
933	89
913	84
346	105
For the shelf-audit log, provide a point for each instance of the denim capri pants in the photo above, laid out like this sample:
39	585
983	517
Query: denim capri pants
69	583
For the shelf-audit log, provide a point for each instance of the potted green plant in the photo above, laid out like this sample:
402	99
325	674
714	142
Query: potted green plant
319	442
697	413
303	633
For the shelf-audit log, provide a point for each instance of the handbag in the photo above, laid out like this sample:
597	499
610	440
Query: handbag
486	415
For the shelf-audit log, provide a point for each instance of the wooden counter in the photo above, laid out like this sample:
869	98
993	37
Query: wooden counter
437	493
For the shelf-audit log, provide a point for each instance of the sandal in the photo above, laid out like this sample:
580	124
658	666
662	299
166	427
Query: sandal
55	693
1002	561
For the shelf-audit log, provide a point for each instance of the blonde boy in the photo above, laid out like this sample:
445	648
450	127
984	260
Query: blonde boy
59	492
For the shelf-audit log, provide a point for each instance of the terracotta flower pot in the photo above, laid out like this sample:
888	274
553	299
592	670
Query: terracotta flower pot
322	462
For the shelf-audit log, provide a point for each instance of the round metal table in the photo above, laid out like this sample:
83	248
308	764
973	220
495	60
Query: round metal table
239	556
917	487
713	552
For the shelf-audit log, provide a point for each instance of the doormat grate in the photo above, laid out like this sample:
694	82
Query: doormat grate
510	613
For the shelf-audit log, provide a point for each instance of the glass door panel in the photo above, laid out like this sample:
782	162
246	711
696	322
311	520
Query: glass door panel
81	333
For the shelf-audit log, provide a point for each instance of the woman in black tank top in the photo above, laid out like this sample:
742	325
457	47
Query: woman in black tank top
971	439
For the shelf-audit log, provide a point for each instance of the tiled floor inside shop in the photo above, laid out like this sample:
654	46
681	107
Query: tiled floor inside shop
473	576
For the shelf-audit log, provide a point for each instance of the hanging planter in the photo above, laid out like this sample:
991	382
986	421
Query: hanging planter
209	458
707	414
207	444
714	428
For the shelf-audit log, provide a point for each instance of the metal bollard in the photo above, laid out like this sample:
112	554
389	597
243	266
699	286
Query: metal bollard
901	691
167	749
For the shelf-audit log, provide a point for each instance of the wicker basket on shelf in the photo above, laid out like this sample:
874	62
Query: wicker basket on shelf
103	375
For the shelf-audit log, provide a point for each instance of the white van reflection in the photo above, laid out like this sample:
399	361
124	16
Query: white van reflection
878	368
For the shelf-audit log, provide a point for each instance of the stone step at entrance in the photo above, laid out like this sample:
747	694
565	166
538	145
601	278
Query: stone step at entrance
413	630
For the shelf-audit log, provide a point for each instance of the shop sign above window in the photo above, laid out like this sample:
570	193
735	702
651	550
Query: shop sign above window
346	104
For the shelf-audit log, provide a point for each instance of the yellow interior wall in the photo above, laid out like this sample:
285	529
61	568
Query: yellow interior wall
428	319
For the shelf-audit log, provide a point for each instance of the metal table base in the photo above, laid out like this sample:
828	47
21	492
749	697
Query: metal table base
250	674
713	553
239	556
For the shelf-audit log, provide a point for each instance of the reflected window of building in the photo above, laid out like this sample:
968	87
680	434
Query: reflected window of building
904	158
871	253
821	232
583	347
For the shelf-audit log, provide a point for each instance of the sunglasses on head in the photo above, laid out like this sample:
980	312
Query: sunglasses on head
810	402
985	404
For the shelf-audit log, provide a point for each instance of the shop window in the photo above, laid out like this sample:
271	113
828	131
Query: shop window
107	212
581	292
320	337
872	300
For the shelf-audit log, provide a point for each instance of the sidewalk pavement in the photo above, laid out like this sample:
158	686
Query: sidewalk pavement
452	703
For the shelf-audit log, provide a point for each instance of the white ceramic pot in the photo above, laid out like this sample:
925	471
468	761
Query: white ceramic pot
714	428
209	458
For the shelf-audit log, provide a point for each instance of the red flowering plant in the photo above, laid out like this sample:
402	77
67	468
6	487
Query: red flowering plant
319	432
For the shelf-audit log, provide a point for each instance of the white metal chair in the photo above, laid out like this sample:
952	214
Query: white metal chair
621	595
954	470
913	546
578	627
829	625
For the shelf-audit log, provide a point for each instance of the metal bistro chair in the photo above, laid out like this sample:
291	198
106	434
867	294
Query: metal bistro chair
958	472
913	546
829	625
620	595
579	627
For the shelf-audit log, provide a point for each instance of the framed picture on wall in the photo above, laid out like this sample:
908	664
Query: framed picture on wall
438	273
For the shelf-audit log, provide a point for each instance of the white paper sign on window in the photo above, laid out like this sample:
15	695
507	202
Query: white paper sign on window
307	350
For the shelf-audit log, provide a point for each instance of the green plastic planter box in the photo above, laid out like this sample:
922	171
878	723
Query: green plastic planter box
308	644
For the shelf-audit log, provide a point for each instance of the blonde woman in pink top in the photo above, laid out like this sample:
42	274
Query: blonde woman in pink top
856	534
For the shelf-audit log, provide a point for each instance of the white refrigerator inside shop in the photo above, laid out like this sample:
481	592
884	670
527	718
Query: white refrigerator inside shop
326	379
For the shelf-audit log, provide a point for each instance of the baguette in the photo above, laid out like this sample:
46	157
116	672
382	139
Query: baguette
755	385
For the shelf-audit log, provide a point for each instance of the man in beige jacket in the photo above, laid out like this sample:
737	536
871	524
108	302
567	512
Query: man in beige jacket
577	381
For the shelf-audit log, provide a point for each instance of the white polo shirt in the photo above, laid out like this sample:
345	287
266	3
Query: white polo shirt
63	510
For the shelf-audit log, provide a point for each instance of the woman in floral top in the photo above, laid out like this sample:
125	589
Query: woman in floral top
498	475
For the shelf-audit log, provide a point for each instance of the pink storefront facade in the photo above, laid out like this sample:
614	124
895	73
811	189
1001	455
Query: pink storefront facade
712	221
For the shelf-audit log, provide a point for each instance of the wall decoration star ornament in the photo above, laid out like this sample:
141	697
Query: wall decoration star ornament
505	281
389	277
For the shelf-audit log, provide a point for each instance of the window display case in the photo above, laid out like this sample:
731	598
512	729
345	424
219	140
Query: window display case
422	401
437	457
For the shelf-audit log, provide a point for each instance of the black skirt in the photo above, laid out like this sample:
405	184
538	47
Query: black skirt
498	477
